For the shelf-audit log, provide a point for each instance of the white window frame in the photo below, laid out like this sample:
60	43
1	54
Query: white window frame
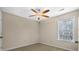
73	19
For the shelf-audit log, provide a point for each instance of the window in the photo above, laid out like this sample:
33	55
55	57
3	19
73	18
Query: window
66	29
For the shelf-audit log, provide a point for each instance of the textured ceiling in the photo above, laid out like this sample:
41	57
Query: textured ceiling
26	11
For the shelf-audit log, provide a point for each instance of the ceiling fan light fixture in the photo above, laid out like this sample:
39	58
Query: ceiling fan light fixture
45	11
38	13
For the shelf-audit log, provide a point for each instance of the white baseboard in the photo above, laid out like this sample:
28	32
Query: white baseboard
57	46
17	47
34	43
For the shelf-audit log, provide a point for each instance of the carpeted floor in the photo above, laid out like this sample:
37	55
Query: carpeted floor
38	47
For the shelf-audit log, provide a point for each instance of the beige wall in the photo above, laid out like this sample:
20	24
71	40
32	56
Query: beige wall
49	32
0	30
18	31
78	29
0	24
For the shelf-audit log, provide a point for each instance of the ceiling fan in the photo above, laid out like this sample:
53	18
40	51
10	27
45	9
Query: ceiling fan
38	13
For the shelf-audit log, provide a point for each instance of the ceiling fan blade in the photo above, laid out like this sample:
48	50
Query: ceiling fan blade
45	16
34	10
31	15
45	11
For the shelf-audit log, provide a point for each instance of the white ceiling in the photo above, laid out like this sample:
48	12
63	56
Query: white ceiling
26	11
